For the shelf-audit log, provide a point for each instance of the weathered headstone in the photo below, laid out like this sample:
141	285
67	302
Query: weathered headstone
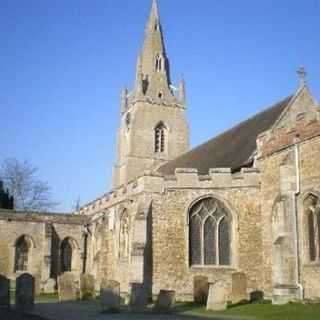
50	286
139	297
165	301
87	287
25	291
239	287
109	296
217	298
4	292
66	287
200	289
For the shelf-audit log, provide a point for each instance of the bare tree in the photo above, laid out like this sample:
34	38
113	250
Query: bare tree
29	192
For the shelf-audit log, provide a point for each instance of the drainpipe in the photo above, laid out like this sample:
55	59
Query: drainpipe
295	217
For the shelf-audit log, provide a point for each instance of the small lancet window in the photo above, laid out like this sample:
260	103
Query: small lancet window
160	136
66	255
158	63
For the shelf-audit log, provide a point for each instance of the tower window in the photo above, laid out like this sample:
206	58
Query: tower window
158	63
160	136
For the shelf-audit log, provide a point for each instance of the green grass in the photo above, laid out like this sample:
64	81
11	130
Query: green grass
263	311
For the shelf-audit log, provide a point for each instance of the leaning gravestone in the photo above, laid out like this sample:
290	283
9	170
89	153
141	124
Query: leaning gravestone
87	287
166	299
200	289
139	297
4	292
25	291
109	296
49	286
239	287
66	287
217	298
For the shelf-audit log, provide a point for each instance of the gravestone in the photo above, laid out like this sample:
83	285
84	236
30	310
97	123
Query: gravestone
50	286
25	291
4	292
217	297
66	287
109	296
139	297
239	287
165	301
87	287
200	289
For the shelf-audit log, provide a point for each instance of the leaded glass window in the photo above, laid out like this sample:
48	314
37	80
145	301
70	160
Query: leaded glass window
21	255
66	255
312	211
209	233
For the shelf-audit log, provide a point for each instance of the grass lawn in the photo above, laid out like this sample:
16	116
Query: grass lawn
292	311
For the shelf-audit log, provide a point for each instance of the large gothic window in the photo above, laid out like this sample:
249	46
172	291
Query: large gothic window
312	218
209	233
66	255
21	254
159	136
124	235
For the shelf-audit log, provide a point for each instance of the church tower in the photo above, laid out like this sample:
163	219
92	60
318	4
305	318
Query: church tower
153	127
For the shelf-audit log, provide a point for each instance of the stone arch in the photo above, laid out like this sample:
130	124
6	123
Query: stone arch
68	254
210	232
23	253
311	225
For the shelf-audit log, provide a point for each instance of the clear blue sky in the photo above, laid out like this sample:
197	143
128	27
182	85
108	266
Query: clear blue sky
63	63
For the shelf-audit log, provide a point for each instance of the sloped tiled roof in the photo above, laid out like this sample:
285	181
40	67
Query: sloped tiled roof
231	149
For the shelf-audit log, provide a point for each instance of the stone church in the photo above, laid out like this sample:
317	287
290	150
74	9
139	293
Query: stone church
247	202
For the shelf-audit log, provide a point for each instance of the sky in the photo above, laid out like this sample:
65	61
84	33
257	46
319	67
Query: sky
63	64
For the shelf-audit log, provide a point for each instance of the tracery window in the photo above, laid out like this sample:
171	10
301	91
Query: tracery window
312	212
124	235
209	233
159	136
66	255
21	254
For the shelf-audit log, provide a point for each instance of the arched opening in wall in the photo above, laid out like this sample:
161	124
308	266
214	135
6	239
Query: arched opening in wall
209	233
158	63
124	235
66	255
160	136
22	249
312	222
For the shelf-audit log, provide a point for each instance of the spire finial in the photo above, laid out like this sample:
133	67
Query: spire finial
302	75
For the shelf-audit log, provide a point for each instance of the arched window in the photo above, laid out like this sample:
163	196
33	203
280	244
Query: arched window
21	254
312	214
159	136
158	63
66	255
124	235
209	233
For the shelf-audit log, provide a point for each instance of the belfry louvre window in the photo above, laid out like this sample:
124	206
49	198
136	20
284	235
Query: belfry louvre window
209	233
159	137
21	254
312	213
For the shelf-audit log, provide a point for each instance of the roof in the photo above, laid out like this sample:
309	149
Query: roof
231	149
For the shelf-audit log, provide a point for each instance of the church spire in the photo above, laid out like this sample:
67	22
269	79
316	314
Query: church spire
153	75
